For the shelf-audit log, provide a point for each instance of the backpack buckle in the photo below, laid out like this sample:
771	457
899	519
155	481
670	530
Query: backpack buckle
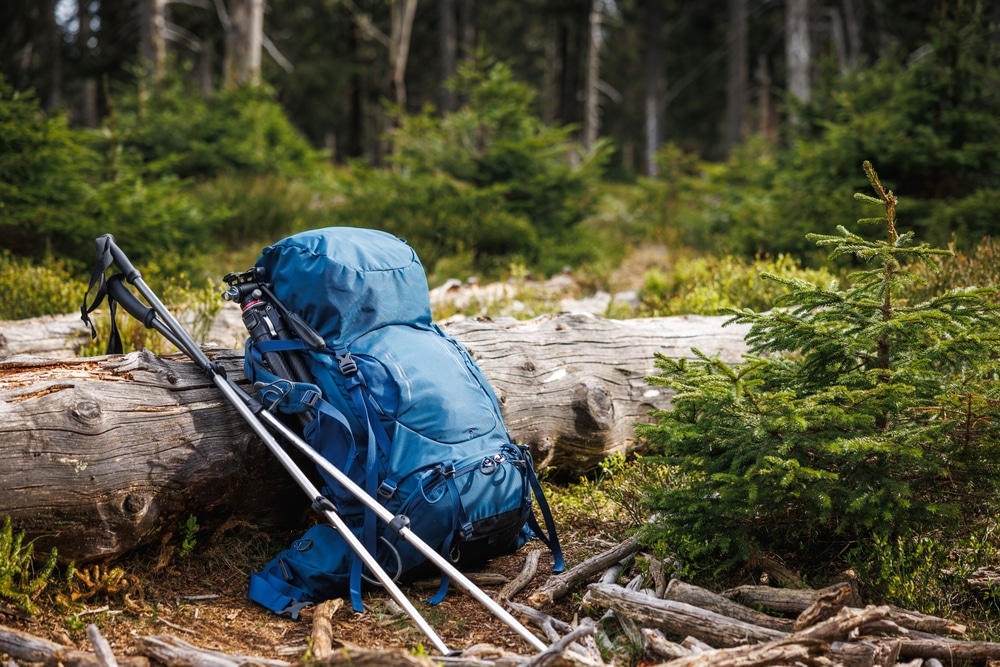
386	489
347	364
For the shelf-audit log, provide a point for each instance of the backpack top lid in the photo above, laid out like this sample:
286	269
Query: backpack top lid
346	281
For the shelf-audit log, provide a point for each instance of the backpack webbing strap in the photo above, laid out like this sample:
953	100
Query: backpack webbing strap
460	519
551	540
276	594
377	439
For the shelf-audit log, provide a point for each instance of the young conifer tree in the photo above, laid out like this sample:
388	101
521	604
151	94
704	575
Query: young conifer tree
857	413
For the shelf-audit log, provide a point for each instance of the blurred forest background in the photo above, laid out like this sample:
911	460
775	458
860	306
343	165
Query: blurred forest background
501	138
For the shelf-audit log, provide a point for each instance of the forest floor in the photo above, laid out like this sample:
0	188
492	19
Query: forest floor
201	598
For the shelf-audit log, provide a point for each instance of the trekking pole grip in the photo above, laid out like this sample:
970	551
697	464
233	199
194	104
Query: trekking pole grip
128	301
106	243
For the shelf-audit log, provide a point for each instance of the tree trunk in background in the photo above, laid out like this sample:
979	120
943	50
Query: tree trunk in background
356	145
403	12
852	26
467	28
767	124
653	74
449	45
88	104
244	38
736	74
53	48
798	50
592	107
153	43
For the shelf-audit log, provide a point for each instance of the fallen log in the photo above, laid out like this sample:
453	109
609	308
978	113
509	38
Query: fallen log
680	591
678	618
97	454
797	600
572	385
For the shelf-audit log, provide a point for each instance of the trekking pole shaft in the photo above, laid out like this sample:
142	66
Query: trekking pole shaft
406	533
238	399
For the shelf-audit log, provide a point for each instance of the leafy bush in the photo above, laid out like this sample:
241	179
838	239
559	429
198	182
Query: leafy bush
175	131
439	216
494	152
857	414
259	210
706	285
19	582
35	289
44	176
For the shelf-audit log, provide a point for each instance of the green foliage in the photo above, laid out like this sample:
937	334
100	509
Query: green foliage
510	171
47	287
44	176
930	118
175	131
258	210
20	583
928	115
857	413
706	285
188	539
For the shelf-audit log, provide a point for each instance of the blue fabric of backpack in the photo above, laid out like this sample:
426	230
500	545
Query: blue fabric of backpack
399	406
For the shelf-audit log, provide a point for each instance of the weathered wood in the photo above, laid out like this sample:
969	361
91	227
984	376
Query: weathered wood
102	650
98	454
561	584
796	600
572	385
784	652
678	618
517	584
175	652
949	651
695	595
829	601
24	646
322	630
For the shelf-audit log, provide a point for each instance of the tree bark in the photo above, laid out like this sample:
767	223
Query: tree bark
244	25
100	453
448	40
403	12
152	26
653	79
591	115
798	50
736	74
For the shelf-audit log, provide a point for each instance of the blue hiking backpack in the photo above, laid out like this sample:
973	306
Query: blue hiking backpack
397	405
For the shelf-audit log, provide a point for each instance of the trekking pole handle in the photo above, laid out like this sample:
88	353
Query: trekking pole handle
123	295
121	260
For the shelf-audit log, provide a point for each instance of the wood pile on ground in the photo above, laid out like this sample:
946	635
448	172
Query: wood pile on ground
665	620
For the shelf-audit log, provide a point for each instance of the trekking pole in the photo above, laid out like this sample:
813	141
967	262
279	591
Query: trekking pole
156	316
